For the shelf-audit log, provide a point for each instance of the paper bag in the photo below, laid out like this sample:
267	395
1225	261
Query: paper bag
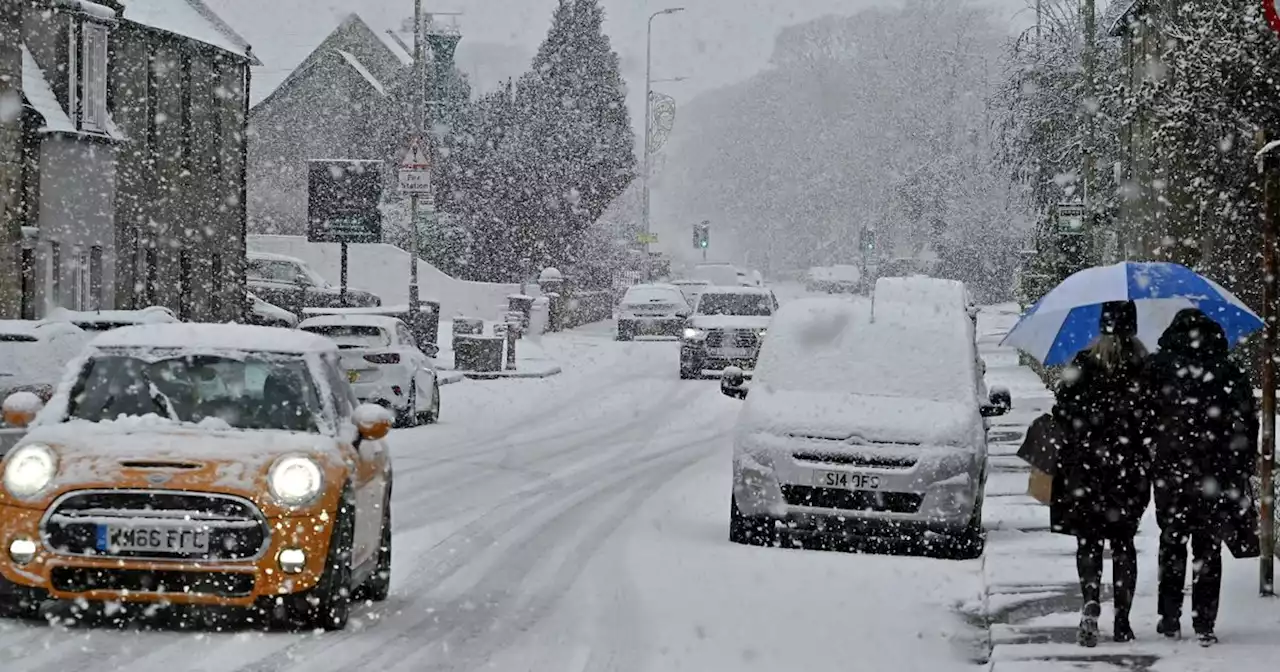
1040	486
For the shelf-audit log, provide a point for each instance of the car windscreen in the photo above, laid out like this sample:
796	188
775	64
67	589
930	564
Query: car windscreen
640	296
350	336
735	304
832	351
256	391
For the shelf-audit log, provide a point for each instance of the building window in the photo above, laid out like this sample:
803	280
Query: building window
149	272
186	286
95	277
188	114
153	97
55	274
93	78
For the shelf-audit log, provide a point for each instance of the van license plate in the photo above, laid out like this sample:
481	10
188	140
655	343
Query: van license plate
182	540
731	353
845	480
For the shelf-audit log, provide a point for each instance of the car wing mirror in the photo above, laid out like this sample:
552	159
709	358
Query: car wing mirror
373	422
999	403
20	409
733	383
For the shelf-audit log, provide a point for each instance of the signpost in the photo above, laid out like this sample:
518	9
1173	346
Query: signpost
342	205
1269	165
415	180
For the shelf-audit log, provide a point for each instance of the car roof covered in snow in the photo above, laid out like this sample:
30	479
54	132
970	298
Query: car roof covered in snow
272	256
150	315
230	337
37	329
924	292
749	290
351	319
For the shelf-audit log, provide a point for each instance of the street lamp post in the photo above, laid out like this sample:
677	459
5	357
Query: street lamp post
648	114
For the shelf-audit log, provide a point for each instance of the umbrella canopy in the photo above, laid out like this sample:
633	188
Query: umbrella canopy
1065	321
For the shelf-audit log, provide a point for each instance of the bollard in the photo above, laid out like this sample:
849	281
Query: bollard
514	320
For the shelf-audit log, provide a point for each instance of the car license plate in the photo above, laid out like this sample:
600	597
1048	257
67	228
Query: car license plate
733	353
353	376
182	540
846	480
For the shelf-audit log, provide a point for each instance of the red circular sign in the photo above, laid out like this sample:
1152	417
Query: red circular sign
1273	16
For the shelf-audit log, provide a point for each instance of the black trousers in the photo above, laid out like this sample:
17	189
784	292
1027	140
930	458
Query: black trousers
1124	568
1206	575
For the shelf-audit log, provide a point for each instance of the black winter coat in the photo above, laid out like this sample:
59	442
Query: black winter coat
1101	487
1205	429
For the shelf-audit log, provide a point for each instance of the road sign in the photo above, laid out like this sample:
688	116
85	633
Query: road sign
415	169
647	238
342	203
1271	10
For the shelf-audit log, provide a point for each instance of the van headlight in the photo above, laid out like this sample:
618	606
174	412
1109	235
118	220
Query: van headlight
295	480
29	470
692	334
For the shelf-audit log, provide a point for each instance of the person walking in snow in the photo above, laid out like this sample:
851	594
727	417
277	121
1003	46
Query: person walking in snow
1101	486
1205	439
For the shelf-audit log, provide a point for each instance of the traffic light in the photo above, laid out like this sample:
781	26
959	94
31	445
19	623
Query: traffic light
869	240
702	235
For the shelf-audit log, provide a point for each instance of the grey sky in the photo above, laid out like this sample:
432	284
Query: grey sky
713	43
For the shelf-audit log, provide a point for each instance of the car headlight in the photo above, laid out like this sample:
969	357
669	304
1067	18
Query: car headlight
762	332
691	334
29	470
295	480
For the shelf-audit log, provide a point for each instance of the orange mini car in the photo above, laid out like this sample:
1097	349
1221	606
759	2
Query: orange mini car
195	464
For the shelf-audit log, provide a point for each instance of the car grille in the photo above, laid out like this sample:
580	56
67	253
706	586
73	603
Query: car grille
222	584
732	338
852	500
237	530
873	461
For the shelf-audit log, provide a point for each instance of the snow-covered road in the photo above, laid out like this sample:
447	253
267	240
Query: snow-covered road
578	523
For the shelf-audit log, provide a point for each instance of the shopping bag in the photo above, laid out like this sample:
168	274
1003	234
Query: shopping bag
1241	533
1040	446
1040	486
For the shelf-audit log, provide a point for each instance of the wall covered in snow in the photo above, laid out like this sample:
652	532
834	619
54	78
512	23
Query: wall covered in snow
384	270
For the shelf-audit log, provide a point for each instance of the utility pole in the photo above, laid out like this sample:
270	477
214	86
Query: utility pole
11	159
1268	159
1088	106
648	121
419	105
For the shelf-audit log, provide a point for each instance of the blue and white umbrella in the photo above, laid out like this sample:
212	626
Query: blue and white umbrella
1065	321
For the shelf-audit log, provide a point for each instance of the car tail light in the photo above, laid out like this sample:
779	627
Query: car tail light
390	358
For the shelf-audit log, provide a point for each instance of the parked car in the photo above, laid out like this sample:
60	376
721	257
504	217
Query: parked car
201	464
263	314
383	365
289	282
722	274
106	320
34	354
861	428
839	279
652	310
726	329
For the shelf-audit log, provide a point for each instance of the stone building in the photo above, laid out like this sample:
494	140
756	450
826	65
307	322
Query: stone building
130	168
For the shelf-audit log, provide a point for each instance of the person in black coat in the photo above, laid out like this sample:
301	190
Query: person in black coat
1205	440
1101	486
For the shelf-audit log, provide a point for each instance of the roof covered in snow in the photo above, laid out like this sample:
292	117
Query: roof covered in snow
364	72
90	8
188	18
233	337
152	315
36	329
40	96
355	320
271	256
745	290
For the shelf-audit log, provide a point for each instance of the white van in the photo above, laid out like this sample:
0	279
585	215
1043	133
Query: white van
861	427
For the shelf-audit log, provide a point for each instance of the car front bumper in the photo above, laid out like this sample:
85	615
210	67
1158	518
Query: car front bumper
243	583
939	492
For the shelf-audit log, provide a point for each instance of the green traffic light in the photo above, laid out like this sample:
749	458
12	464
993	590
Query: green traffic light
703	243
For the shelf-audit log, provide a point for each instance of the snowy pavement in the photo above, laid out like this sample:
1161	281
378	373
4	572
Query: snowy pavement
1033	597
579	522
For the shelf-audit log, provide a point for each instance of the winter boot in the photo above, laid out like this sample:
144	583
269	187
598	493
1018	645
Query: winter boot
1169	627
1123	631
1087	636
1206	638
